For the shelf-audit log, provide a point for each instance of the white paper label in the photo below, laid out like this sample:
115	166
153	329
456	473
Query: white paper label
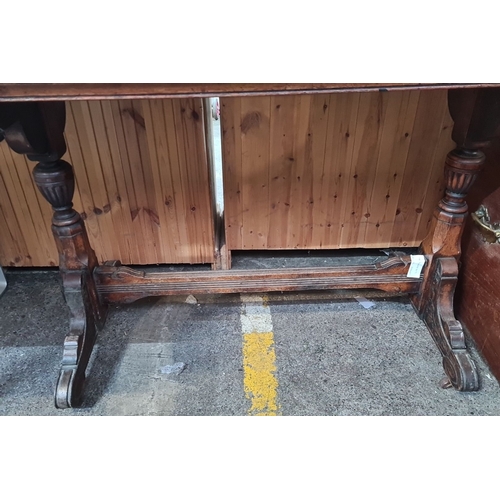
367	304
417	263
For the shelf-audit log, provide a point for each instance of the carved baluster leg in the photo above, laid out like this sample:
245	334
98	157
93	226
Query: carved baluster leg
442	248
36	129
476	114
76	263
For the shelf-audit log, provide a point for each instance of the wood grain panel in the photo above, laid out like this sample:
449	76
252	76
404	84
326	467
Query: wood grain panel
333	171
142	186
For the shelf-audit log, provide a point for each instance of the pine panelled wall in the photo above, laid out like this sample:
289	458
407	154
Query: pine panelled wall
356	170
142	186
324	171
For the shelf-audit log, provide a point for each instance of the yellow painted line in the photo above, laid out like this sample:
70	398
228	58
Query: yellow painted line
259	357
259	369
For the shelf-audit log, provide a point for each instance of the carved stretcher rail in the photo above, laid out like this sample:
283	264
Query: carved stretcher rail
122	284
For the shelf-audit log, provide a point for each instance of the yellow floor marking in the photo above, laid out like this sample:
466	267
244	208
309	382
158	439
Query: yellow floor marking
259	357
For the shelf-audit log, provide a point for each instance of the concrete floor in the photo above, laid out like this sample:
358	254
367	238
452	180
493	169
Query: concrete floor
333	357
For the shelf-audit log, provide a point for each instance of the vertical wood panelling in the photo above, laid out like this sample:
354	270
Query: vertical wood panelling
32	241
142	186
333	171
423	176
323	171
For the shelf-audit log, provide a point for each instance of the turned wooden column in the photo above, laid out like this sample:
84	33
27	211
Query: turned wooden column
476	115
36	130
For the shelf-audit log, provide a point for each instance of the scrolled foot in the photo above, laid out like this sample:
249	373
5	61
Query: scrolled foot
461	371
69	389
78	345
446	330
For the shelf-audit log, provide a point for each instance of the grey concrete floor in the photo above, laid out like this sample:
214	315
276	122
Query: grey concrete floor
333	357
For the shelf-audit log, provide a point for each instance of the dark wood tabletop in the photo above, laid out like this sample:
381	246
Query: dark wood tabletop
90	91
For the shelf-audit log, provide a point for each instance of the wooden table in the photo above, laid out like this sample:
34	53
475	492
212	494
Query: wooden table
32	121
